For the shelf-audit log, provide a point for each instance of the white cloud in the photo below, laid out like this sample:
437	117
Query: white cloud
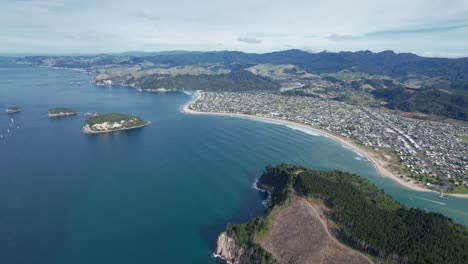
337	37
206	25
249	40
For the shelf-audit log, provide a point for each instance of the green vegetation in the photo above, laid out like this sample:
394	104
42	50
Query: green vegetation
127	121
430	101
376	224
460	189
233	81
61	110
366	218
112	122
423	177
464	139
245	235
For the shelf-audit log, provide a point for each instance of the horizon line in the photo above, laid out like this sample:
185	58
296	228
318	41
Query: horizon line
174	52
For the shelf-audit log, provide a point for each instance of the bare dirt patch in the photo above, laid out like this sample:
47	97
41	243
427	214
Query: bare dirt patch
299	235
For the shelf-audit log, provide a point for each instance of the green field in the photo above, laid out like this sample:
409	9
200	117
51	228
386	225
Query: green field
459	189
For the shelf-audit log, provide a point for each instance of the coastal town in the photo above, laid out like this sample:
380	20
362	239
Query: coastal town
431	153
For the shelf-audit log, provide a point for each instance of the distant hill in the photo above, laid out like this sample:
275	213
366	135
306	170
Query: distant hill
385	62
234	81
155	53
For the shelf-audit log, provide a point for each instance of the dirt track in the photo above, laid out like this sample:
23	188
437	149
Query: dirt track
298	235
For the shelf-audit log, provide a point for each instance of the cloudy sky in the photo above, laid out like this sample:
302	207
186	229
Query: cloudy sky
425	27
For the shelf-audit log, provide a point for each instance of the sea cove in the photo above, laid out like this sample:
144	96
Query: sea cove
155	195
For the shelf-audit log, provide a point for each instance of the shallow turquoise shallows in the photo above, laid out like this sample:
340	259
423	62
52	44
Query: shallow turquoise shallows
159	194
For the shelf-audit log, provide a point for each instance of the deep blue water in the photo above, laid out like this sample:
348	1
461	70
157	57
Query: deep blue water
160	194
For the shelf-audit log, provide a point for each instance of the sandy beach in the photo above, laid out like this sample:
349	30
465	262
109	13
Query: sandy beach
377	162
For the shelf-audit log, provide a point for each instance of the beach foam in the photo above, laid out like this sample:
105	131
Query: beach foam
305	130
259	119
268	199
214	255
360	155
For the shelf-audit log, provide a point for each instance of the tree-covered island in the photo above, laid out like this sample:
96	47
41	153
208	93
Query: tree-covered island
13	109
61	111
103	123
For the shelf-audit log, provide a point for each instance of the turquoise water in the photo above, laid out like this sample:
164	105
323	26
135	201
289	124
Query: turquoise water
160	194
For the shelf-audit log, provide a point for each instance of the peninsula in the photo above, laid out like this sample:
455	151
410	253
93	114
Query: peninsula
105	123
13	109
61	111
324	217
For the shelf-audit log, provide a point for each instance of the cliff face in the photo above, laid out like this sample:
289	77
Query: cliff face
228	250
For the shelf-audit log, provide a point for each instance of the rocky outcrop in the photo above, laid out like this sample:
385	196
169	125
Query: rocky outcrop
228	250
61	114
13	110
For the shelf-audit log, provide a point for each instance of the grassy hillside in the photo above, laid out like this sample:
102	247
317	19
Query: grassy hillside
234	81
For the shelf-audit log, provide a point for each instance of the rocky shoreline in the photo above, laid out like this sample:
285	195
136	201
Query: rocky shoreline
61	114
88	130
229	251
12	111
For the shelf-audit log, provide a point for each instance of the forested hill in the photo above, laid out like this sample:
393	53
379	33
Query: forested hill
367	219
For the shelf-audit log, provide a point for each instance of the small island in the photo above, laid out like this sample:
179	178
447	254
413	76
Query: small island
61	111
104	123
13	109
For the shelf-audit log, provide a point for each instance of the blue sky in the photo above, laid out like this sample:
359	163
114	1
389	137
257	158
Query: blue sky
426	27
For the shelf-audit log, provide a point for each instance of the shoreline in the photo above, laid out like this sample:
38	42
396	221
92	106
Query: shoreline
91	132
12	111
346	143
61	114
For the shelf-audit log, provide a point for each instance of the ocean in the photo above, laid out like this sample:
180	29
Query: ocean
160	194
